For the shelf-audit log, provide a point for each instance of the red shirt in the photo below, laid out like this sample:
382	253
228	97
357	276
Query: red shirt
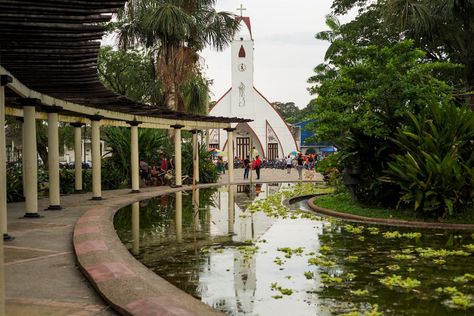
164	165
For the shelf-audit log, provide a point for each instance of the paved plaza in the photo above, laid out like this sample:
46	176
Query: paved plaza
42	277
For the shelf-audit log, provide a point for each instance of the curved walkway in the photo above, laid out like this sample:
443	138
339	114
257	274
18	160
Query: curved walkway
386	221
42	275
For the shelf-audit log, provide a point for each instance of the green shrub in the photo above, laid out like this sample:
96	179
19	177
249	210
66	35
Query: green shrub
207	170
331	167
435	171
14	184
67	180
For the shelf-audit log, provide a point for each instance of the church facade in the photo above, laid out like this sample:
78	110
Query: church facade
268	133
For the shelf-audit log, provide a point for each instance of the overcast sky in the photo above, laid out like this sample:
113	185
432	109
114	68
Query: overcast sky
286	51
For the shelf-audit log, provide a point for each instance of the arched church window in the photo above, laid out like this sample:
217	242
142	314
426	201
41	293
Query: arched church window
242	52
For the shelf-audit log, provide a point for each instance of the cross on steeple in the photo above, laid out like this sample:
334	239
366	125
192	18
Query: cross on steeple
241	9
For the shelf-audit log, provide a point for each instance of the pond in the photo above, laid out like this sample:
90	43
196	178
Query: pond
239	250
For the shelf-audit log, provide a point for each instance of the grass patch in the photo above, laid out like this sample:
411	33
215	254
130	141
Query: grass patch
343	203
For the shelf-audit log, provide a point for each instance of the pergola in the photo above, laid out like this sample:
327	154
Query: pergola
48	71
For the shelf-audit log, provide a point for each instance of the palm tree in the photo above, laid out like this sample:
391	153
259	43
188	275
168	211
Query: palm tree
333	35
175	31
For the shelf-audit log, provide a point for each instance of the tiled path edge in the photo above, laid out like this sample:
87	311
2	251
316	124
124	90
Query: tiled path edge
119	278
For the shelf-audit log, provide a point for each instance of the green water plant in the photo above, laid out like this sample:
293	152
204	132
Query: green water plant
439	253
320	261
373	230
360	292
465	278
379	271
329	279
396	281
457	298
354	229
401	256
392	235
393	267
374	311
283	291
309	275
291	251
469	247
351	258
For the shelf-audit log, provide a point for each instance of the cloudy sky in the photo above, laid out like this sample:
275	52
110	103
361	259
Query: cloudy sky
286	51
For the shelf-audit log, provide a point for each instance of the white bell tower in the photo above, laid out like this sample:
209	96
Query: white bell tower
242	68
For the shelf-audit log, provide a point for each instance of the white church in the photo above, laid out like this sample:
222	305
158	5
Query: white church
268	133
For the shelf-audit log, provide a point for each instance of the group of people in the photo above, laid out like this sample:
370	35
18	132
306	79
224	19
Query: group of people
307	162
255	164
155	175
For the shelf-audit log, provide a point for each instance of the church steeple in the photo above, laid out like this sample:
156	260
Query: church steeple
242	66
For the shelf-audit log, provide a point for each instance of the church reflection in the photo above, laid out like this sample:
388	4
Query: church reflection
179	237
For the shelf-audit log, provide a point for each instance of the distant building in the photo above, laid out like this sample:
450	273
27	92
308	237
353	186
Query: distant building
268	132
303	134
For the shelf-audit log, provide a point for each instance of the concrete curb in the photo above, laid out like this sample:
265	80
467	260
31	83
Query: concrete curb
130	287
386	221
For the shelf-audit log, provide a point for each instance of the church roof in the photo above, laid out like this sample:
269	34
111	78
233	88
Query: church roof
246	20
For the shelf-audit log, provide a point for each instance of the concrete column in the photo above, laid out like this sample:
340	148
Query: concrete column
30	160
53	159
134	156
230	153
195	157
2	280
177	154
136	228
21	123
96	158
77	157
179	216
4	80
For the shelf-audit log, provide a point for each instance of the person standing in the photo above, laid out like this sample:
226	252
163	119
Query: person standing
246	167
257	165
288	164
300	166
143	171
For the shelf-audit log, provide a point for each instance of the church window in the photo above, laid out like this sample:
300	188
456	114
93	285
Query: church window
242	52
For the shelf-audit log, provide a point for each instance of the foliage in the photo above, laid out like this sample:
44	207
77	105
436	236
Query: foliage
288	110
14	184
195	95
435	169
363	95
441	28
331	169
151	142
130	73
207	170
67	180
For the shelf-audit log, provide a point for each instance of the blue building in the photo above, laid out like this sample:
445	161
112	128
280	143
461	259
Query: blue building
303	135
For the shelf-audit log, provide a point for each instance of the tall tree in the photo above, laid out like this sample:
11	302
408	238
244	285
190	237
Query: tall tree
442	28
130	73
175	31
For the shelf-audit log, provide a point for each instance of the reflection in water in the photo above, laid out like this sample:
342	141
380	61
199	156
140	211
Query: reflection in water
136	228
207	243
179	216
231	209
